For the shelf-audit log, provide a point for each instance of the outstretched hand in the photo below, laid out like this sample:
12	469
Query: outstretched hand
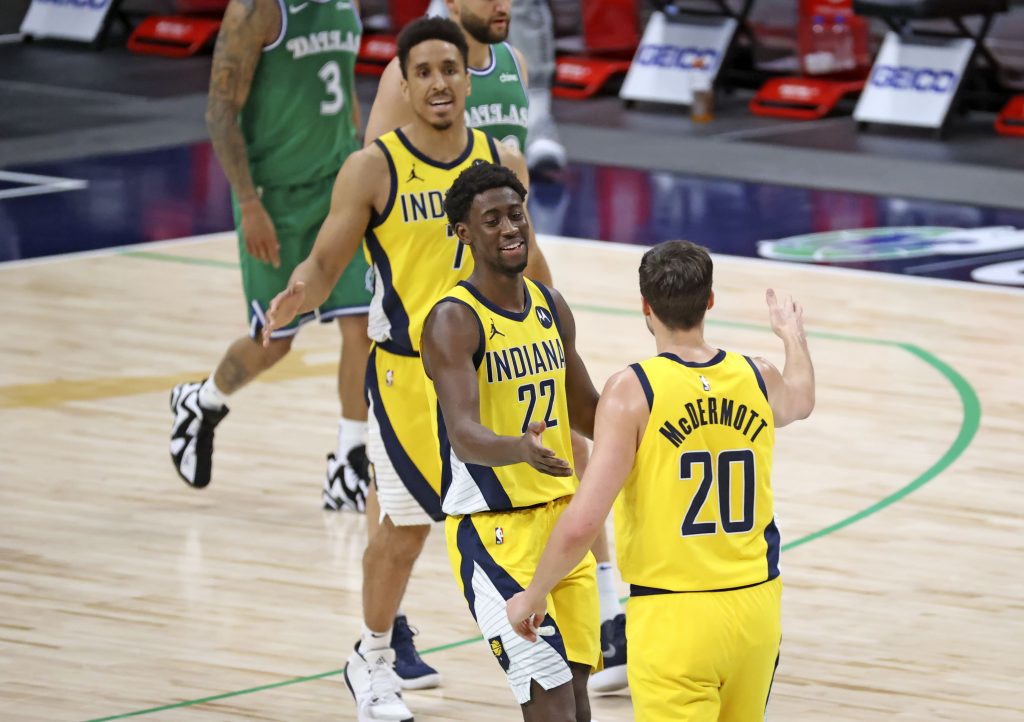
525	617
539	456
786	317
284	308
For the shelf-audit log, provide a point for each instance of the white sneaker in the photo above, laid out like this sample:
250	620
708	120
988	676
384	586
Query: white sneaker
544	150
375	686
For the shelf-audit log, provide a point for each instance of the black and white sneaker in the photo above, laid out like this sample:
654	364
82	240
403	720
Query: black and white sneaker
192	434
347	482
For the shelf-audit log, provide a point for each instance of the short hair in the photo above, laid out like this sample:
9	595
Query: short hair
675	279
478	178
430	28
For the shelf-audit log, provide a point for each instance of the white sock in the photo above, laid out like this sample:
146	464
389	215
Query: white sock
607	591
373	641
540	102
211	397
350	435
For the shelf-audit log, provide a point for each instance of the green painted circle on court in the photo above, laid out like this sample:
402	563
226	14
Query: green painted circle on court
969	424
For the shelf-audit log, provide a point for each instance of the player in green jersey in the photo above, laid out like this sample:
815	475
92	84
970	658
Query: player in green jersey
283	117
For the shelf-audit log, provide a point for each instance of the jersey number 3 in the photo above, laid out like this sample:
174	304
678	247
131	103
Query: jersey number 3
330	73
727	461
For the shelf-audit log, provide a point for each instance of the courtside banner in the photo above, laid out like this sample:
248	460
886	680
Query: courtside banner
67	19
672	54
913	82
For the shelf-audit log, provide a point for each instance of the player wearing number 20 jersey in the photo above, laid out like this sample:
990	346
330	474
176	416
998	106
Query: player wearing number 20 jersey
415	260
706	451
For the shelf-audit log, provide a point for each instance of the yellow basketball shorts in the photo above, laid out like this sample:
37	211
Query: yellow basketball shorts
704	656
494	556
401	443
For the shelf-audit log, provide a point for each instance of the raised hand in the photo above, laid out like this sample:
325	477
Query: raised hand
284	308
258	232
539	456
786	316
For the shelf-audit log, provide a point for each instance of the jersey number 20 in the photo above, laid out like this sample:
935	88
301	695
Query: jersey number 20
720	473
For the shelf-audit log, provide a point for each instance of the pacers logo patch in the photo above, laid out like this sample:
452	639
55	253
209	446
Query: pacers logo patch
498	650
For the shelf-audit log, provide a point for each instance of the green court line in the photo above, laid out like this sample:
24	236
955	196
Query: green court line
969	424
172	258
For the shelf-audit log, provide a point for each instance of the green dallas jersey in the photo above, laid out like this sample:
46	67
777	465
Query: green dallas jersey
297	120
498	103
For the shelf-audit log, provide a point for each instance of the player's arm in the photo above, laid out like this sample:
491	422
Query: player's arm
622	416
537	266
339	238
580	392
390	109
247	26
451	336
790	393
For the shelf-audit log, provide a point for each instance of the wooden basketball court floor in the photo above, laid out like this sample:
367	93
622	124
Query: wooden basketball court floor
124	593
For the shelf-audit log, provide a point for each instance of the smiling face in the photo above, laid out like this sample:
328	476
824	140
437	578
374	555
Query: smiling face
436	83
497	230
486	21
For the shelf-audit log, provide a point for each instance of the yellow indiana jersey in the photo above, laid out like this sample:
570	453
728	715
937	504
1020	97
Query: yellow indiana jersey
696	513
415	256
521	374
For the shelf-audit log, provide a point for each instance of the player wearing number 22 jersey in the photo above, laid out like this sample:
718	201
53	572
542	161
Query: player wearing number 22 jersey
508	385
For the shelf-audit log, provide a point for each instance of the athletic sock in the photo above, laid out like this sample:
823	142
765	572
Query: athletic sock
373	641
350	435
211	397
607	592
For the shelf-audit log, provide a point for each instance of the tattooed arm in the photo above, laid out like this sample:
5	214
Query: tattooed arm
248	25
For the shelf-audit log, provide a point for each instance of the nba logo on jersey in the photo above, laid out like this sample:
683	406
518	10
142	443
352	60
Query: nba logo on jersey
389	377
704	381
544	316
499	535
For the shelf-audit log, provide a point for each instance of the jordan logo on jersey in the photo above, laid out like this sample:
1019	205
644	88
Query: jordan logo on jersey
494	331
412	175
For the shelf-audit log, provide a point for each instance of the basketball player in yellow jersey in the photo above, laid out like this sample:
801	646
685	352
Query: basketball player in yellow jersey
392	192
500	350
685	441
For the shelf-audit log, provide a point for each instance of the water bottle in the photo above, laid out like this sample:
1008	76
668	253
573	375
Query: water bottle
842	45
702	104
821	59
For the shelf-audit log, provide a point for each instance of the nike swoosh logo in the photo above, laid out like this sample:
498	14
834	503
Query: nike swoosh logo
293	9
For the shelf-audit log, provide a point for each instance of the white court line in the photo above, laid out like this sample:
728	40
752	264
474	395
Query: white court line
37	184
546	239
115	250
